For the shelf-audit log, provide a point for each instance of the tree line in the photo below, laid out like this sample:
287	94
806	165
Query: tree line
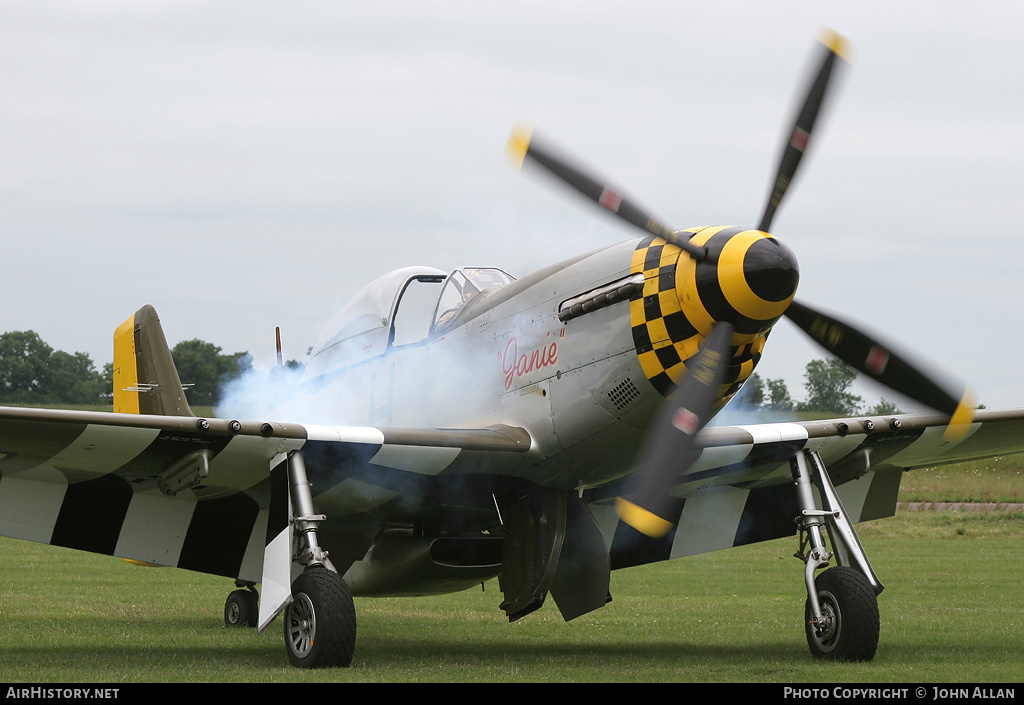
828	385
32	372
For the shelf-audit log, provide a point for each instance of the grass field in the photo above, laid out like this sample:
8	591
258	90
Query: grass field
951	612
991	480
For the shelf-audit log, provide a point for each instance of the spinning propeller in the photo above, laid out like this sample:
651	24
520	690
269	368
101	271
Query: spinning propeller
671	446
523	145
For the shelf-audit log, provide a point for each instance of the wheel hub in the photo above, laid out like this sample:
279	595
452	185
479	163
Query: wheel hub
301	625
826	631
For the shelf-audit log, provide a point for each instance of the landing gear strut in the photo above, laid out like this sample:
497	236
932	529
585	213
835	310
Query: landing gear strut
320	620
319	614
841	612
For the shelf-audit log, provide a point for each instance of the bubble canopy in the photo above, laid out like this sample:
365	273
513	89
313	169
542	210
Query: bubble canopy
403	307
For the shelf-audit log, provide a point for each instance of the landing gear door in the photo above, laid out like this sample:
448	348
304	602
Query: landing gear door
277	553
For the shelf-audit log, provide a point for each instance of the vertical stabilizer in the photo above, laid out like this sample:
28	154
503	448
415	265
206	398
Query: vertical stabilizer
145	379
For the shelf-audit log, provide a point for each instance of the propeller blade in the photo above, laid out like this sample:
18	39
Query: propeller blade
670	448
523	145
835	47
879	361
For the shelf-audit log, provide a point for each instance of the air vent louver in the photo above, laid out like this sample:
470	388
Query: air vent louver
623	393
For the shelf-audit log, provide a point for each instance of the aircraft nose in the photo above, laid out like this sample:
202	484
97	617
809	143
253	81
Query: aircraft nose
758	275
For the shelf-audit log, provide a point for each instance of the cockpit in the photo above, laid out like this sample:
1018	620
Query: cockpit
404	307
460	287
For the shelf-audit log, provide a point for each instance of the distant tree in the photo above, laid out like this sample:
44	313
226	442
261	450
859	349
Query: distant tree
202	365
752	393
32	372
73	379
828	383
107	379
883	408
778	398
23	361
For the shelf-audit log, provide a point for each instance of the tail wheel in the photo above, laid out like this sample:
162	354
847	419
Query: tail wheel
241	609
849	627
320	622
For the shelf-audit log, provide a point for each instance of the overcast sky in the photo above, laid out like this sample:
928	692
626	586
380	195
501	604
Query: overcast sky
246	165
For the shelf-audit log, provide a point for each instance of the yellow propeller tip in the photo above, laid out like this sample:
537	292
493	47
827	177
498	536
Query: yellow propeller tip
961	420
642	520
837	44
518	144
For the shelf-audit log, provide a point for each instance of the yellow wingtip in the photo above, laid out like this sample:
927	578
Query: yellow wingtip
837	44
518	144
961	420
642	520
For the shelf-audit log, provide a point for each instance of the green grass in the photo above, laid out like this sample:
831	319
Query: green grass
952	611
992	480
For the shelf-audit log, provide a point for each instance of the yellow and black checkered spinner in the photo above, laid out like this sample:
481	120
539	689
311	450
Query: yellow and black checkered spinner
682	300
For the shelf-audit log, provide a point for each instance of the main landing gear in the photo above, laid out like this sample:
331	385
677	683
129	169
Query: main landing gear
841	612
320	621
320	617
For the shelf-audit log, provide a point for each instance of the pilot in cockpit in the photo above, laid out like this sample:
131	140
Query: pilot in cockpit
463	285
467	290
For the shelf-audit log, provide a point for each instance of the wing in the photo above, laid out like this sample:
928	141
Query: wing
195	493
739	490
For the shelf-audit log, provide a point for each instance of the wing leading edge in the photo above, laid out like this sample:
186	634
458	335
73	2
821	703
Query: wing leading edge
186	492
100	481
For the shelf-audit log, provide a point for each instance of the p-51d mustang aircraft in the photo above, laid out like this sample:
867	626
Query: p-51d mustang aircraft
456	427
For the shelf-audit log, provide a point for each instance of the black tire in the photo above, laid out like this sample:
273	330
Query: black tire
850	608
320	622
242	609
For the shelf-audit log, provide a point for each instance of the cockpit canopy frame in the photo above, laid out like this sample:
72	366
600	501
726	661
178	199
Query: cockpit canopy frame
396	310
